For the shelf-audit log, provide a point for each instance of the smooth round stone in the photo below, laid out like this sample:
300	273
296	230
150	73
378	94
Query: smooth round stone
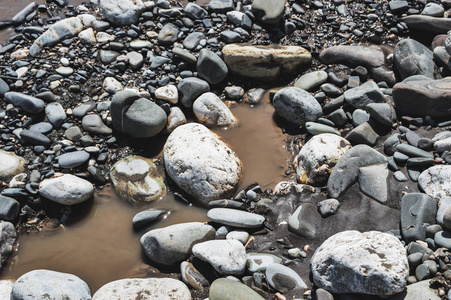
311	81
67	189
10	165
413	151
239	235
235	218
443	239
73	159
210	110
168	92
399	176
211	67
168	34
65	71
55	114
415	259
42	127
27	103
9	209
73	133
422	272
317	128
283	279
226	289
139	44
193	40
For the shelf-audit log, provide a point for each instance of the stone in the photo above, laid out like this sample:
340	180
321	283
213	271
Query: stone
4	87
176	118
240	235
257	262
87	36
211	111
371	57
190	89
234	92
211	67
443	145
384	113
427	24
346	171
328	207
444	204
135	59
73	133
412	151
371	263
390	144
66	189
64	71
318	128
136	179
318	156
55	114
311	81
168	93
34	137
418	211
296	106
93	124
7	239
236	218
172	244
144	289
227	257
108	56
201	164
363	95
195	12
363	134
268	11
168	34
10	165
193	40
221	6
142	119
226	289
46	284
419	290
434	181
373	181
73	159
301	221
27	103
6	286
283	279
147	217
413	58
398	6
121	12
443	239
112	85
229	36
359	116
265	63
192	277
9	208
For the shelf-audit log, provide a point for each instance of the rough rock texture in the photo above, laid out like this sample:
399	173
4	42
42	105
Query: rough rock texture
143	289
373	263
265	63
10	165
201	164
67	189
435	182
121	12
7	238
318	156
136	179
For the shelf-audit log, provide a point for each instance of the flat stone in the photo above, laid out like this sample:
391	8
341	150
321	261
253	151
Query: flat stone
412	151
443	239
236	218
384	113
418	211
311	81
283	279
363	134
221	6
428	24
7	239
34	137
301	221
168	93
9	208
373	181
112	85
175	119
73	159
193	39
168	34
66	189
419	290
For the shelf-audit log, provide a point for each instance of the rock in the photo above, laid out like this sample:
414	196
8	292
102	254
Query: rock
7	239
412	151
265	63
201	164
384	113
258	262
359	116
417	212
94	124
73	159
427	24
226	289
73	133
111	85
45	284
185	55
55	114
363	134
398	6
229	36
121	12
35	138
227	257
318	128
211	111
236	218
434	181
373	181
240	235
147	217
371	263
412	58
64	71
10	165
144	289
175	119
346	171
234	92
301	221
363	95
419	290
136	60
66	189
83	109
6	286
4	87
172	244
444	204
268	11
443	145
283	279
254	96
107	56
443	239
193	40
311	81
168	92
433	10
87	36
328	207
371	57
390	144
168	34
137	180
195	12
221	6
9	208
318	156
190	89
296	106
423	97
211	67
192	277
27	103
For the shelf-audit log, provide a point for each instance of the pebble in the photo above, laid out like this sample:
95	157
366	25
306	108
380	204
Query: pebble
235	218
66	189
283	279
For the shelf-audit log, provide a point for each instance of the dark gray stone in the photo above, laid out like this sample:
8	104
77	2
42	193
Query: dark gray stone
147	217
363	95
195	12
382	112
417	213
27	103
9	208
7	238
34	137
363	134
4	87
193	39
412	58
428	24
94	124
121	12
211	67
55	114
390	144
190	89
221	6
412	151
73	159
144	119
301	221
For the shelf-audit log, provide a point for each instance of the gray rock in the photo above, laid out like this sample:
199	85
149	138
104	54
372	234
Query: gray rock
143	289
234	92
301	221
9	208
147	217
112	85
382	112
390	144
6	286
10	165
121	12
4	87
283	279
7	239
443	145
119	104
135	60
143	118
398	6
171	245
65	71
66	189
373	181
136	179
419	290
221	6
412	151
363	134
258	262
434	181
73	133
27	103
363	95
55	114
444	204
443	239
107	56
417	212
190	89
359	116
311	81
328	207
73	159
227	257
185	55
168	34
226	289
195	12
201	164
229	36
81	110
94	124
175	119
45	284
193	40
433	10
372	263
211	67
34	137
87	36
236	218
412	58
211	111
268	11
400	176
254	96
346	171
296	106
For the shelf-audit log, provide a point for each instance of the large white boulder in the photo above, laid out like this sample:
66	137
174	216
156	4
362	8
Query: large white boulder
201	163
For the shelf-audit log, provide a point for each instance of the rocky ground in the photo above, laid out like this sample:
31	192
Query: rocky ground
89	98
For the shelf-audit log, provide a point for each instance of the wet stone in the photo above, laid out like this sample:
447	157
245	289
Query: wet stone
283	279
192	277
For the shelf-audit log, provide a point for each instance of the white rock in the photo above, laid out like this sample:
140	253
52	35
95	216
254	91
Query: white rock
6	287
286	187
103	37
143	289
228	257
168	92
10	165
67	189
318	156
87	36
87	19
443	145
211	111
112	86
443	205
373	263
201	164
175	119
239	235
435	182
